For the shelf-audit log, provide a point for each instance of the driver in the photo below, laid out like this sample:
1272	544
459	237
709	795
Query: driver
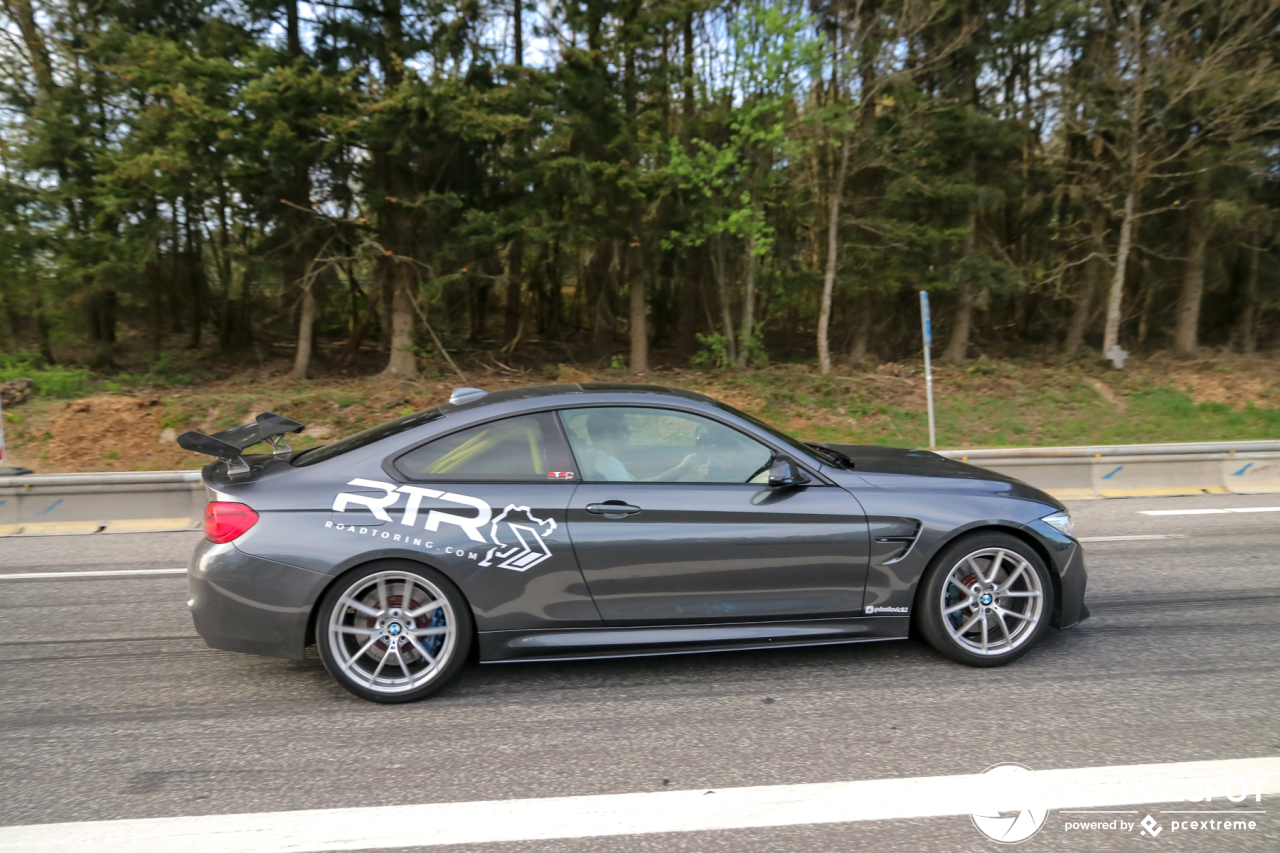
609	434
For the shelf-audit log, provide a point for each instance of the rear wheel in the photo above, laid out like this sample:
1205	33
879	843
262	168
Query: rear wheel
393	633
986	600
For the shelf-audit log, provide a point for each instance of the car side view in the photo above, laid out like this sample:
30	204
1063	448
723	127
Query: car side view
598	520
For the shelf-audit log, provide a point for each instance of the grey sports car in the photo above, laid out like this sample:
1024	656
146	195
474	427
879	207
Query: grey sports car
598	520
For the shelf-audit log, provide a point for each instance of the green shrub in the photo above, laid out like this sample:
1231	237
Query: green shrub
52	381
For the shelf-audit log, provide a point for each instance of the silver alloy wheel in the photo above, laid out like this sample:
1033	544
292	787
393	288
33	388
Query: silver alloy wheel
392	632
992	601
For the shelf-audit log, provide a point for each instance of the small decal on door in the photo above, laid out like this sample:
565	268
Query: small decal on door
559	475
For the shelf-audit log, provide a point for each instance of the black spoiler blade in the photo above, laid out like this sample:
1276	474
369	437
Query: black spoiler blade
265	427
229	445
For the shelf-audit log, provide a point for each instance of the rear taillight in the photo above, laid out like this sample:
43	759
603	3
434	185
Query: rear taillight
225	521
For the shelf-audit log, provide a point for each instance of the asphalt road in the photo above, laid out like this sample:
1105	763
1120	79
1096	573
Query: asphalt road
112	708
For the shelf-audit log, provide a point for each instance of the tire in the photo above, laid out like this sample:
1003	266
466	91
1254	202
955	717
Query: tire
380	652
985	600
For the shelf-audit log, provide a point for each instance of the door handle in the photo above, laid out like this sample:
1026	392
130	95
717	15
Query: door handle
613	510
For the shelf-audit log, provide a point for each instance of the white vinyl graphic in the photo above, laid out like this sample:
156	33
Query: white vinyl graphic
523	533
379	504
517	535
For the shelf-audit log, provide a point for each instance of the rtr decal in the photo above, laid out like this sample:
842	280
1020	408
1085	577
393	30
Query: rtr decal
517	536
524	547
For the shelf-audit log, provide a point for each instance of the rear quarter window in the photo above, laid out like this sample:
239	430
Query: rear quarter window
526	448
363	439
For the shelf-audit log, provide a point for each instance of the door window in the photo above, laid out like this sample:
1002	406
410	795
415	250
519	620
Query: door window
661	446
521	449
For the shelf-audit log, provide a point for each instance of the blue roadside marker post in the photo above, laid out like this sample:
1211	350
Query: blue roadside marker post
927	325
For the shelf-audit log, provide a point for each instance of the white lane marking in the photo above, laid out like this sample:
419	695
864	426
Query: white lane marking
1182	512
498	821
1132	538
1208	511
110	573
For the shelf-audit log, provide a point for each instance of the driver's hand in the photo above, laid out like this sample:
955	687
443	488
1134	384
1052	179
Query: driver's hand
691	465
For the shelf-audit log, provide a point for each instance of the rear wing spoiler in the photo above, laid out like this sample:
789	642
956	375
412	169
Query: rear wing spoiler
228	446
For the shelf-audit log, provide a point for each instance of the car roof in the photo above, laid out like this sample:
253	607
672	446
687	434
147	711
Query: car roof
640	392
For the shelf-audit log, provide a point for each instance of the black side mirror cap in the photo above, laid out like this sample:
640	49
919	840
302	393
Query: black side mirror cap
785	472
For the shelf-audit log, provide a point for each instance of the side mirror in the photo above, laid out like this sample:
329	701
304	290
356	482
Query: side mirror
785	472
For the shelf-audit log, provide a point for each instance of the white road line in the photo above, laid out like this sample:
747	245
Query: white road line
1132	538
498	821
110	573
1208	511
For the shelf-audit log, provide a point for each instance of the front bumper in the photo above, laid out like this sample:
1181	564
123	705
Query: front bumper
242	603
1066	561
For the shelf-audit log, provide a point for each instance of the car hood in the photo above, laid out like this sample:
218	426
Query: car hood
902	468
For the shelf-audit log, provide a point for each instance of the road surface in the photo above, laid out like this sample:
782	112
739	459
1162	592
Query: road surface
112	708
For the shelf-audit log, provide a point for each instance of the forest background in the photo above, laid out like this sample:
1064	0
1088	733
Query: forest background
280	194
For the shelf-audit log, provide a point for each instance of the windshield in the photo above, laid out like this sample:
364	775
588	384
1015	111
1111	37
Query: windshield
776	433
369	436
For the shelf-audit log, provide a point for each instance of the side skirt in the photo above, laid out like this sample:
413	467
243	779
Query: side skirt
580	643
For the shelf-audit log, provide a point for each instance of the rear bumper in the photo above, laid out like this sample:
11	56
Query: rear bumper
242	603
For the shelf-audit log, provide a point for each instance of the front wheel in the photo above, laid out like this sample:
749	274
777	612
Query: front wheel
985	600
393	633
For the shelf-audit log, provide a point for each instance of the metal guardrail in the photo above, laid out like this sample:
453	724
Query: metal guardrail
1107	450
113	478
1128	470
46	504
174	500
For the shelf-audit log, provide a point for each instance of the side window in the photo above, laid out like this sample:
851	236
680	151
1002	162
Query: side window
661	446
525	448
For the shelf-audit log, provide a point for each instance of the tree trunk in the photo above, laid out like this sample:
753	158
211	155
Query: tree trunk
1093	271
639	325
833	253
396	219
1186	336
603	269
1147	287
692	254
102	305
306	324
958	347
1248	316
193	268
1079	317
748	304
42	331
1111	334
515	284
296	220
859	346
155	310
726	304
515	249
